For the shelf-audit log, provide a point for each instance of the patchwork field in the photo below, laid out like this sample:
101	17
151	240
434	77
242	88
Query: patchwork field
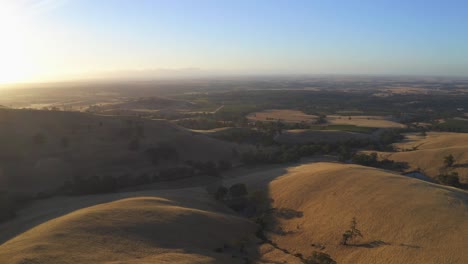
283	115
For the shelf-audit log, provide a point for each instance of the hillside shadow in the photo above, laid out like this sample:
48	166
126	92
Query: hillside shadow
268	215
460	165
373	244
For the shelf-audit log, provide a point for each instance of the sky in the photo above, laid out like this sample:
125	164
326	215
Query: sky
48	40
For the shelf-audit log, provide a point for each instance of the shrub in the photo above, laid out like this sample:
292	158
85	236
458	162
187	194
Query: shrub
449	160
319	258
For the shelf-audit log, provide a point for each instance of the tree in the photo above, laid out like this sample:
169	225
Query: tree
449	160
319	258
351	233
238	190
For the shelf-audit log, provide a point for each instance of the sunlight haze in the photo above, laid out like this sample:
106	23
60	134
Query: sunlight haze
50	40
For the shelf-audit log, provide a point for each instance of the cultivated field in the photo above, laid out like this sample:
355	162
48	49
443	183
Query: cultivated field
283	115
364	121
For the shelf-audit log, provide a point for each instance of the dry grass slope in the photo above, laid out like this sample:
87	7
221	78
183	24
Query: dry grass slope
431	150
96	145
403	220
175	227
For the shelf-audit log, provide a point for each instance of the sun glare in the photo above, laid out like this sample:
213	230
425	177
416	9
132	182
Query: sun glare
15	64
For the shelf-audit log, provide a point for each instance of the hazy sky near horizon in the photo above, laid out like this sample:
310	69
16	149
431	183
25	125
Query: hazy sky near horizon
45	40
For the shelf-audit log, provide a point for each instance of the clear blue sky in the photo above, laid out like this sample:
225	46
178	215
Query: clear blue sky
351	37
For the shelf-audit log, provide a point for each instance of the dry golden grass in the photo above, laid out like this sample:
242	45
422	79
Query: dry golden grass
284	115
365	121
403	220
431	150
183	226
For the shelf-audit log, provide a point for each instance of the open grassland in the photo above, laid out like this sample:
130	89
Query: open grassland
283	115
364	121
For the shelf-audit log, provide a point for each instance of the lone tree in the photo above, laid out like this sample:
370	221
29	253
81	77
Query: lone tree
351	233
319	258
449	160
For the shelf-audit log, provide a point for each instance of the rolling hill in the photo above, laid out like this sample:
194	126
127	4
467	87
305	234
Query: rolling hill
42	149
181	226
403	220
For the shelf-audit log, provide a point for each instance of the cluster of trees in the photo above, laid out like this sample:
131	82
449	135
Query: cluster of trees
247	136
388	137
108	183
451	179
372	160
238	198
203	123
292	153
